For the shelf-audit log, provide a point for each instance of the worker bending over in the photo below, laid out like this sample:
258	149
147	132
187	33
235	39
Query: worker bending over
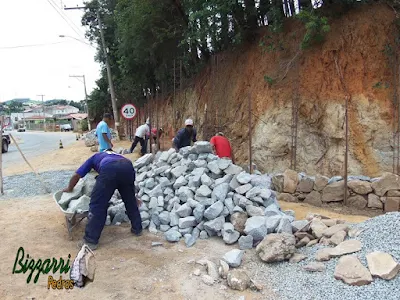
140	136
115	172
185	136
222	147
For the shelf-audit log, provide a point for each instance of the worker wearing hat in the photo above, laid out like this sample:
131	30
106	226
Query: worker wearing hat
115	173
185	136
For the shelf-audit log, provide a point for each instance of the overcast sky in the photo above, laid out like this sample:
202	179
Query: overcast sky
26	72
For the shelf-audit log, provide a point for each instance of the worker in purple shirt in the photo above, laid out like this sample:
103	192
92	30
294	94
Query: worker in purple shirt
115	172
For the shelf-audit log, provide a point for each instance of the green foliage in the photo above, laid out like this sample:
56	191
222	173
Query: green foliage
381	85
84	125
316	27
14	107
269	80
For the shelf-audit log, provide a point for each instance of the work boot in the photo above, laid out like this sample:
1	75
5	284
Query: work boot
137	233
90	245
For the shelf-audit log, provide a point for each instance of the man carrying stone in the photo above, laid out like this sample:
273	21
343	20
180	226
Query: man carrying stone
222	147
115	172
103	133
140	135
185	136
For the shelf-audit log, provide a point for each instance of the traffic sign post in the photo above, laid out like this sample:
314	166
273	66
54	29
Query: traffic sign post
129	111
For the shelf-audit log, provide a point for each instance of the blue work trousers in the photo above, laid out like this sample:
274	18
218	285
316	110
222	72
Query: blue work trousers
118	175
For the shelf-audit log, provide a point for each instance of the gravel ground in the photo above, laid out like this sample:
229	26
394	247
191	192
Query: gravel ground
290	281
28	185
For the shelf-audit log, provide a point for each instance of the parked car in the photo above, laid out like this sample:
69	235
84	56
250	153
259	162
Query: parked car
21	128
66	127
6	141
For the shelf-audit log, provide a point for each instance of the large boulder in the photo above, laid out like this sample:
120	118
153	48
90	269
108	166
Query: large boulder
357	201
387	182
276	247
360	187
306	185
314	198
320	182
238	280
334	192
290	181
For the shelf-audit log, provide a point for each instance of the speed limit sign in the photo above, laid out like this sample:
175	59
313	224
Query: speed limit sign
129	111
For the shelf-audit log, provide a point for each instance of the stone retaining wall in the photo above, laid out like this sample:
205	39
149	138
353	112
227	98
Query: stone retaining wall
382	193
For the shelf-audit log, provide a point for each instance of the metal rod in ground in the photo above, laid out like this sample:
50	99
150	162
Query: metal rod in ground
398	131
250	154
1	158
34	171
346	150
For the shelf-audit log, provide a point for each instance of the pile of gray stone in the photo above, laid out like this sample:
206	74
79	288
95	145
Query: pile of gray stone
91	139
194	194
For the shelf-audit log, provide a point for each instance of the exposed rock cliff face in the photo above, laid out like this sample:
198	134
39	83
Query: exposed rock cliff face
218	98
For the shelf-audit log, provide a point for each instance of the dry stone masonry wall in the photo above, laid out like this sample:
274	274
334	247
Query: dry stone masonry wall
382	193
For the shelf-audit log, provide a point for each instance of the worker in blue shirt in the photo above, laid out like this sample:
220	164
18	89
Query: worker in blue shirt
115	172
185	136
103	133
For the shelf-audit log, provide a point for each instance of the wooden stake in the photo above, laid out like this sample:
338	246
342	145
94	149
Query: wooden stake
23	156
250	154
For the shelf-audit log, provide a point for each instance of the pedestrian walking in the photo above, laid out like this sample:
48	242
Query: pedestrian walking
103	133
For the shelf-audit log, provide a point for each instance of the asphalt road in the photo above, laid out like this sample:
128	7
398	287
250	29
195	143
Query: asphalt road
35	143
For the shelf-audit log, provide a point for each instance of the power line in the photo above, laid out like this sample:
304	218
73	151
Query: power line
33	45
78	32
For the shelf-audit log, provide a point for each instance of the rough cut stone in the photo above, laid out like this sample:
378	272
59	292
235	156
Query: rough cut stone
391	193
253	192
214	210
230	237
243	178
330	231
350	270
333	192
382	265
172	236
357	201
300	225
220	191
360	187
387	182
233	169
272	223
318	228
238	220
306	185
245	242
256	227
297	257
184	211
315	267
284	226
374	201
290	181
233	258
243	189
338	237
254	211
223	269
214	227
187	222
223	164
277	182
320	183
206	180
225	179
238	280
286	197
213	167
203	191
392	204
314	198
276	247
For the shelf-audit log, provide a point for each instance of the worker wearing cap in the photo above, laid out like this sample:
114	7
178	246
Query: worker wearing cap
185	136
115	172
103	133
222	146
140	137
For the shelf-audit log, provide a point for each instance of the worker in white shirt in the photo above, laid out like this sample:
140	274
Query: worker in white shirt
140	136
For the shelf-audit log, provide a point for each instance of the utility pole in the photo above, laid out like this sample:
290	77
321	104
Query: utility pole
110	83
44	116
86	97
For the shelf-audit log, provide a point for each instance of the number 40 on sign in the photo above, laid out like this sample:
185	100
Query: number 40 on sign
128	111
